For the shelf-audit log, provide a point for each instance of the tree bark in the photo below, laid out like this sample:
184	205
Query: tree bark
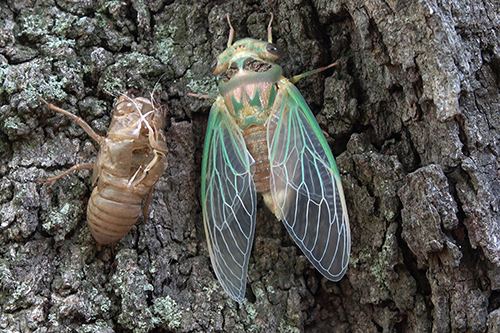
411	114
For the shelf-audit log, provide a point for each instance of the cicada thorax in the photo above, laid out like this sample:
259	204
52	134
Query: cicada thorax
249	89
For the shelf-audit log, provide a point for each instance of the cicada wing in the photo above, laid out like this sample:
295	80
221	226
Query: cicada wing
305	184
229	201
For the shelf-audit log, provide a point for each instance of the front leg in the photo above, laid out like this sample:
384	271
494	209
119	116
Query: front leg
75	167
86	127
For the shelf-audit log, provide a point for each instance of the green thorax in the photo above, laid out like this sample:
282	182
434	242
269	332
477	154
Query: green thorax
247	81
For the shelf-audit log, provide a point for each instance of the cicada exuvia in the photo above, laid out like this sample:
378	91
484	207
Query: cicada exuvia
131	159
262	137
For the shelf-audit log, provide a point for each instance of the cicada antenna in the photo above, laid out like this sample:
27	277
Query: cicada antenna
112	93
155	86
153	100
270	30
231	32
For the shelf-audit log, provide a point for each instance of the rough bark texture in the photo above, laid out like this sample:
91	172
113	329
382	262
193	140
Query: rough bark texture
412	115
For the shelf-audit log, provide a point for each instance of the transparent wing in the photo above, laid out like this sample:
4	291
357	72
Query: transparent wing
305	184
229	201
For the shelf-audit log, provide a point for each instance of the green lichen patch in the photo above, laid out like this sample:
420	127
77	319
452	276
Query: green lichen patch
34	24
61	221
204	85
100	326
134	70
167	313
131	284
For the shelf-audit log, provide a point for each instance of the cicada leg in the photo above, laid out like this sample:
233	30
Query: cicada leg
132	179
86	127
145	210
296	78
75	167
206	96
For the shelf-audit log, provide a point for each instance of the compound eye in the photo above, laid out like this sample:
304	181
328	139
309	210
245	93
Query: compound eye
213	66
273	49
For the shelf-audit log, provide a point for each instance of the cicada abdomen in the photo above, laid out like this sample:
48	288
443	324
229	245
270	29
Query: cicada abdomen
262	137
131	159
256	142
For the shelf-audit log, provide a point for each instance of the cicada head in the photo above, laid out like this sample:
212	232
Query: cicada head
246	62
246	49
126	121
247	80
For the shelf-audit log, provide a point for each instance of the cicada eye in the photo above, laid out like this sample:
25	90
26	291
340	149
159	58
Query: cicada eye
273	49
213	66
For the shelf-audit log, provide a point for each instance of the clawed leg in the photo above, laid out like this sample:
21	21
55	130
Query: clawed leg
145	210
86	127
132	179
145	171
75	167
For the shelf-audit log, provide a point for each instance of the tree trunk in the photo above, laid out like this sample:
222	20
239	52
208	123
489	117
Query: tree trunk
411	113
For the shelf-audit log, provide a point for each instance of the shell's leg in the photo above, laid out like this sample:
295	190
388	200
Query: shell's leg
86	127
143	172
154	161
145	210
75	167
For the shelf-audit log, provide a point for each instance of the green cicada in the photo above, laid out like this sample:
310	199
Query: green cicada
262	137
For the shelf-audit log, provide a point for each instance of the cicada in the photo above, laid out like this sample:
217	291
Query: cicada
131	159
262	137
